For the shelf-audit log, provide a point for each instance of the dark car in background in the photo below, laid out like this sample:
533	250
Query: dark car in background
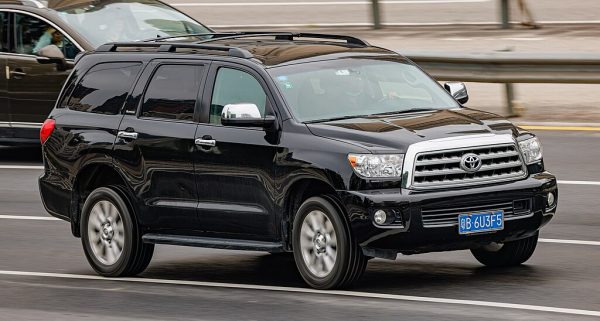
319	145
40	39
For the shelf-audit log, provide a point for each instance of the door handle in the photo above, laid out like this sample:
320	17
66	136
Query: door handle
206	142
17	73
127	135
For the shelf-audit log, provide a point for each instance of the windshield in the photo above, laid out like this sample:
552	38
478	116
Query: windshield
120	21
354	87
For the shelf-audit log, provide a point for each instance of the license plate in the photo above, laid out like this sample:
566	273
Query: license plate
480	222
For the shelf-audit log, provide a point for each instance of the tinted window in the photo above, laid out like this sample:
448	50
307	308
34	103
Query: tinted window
33	34
233	87
172	92
104	88
4	45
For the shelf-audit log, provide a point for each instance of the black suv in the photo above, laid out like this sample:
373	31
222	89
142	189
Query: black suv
319	145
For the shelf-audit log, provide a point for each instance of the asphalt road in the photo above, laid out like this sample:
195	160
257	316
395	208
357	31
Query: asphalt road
357	12
257	286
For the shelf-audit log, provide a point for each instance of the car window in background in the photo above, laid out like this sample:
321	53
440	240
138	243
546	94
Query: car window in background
4	44
354	87
233	87
33	34
172	92
111	21
104	88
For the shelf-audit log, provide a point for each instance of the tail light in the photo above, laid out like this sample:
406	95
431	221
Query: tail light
47	129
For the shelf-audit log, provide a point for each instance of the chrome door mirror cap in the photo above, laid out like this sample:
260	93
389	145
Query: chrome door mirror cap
242	110
458	90
245	115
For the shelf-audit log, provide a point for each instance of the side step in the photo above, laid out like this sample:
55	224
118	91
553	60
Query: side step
215	243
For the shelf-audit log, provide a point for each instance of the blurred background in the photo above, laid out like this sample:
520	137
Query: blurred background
554	30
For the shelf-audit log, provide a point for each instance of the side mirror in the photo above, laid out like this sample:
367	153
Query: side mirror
458	90
51	54
245	115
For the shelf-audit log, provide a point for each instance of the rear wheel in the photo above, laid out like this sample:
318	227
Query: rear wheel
326	255
110	235
506	254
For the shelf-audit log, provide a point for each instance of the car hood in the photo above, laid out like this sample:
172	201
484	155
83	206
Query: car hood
397	132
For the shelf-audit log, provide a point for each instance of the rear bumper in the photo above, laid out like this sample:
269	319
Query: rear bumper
411	235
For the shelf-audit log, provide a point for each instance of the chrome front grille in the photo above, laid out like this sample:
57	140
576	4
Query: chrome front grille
439	217
437	169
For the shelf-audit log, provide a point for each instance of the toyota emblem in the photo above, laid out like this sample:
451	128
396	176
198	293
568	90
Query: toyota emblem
470	163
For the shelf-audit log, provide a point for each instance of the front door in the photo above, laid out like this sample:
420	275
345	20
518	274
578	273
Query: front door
235	176
33	83
156	145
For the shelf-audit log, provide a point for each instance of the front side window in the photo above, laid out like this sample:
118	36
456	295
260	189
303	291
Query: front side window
4	38
357	87
105	21
234	86
104	88
33	34
172	92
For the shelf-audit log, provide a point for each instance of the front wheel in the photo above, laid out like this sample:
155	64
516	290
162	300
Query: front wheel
326	255
506	254
110	237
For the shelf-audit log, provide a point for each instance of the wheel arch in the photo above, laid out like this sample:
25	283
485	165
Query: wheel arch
88	178
299	191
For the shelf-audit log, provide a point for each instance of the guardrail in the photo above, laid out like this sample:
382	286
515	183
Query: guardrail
509	68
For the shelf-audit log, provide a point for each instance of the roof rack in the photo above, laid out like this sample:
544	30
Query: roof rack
286	36
190	35
172	46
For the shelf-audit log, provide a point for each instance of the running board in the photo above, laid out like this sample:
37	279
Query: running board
215	243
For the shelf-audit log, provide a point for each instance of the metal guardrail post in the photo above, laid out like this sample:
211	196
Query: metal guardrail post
376	14
505	14
510	97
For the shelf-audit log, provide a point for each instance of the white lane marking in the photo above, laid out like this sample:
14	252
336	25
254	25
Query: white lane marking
397	297
575	242
21	167
579	183
315	3
50	218
524	38
26	217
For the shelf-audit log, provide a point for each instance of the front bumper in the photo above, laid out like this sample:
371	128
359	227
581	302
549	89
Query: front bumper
410	235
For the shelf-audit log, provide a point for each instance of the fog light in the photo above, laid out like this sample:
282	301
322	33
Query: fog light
380	217
550	200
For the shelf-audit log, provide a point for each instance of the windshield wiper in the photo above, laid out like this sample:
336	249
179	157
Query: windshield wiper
335	118
410	110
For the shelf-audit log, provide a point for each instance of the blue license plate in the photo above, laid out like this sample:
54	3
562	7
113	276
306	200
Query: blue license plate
480	222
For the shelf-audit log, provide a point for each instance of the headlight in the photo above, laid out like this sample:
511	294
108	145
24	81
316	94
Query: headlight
531	149
377	166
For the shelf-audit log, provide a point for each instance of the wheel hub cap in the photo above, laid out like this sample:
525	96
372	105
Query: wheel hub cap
106	234
318	243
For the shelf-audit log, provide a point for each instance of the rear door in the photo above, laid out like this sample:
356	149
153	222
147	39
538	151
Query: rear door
33	86
156	145
235	176
4	50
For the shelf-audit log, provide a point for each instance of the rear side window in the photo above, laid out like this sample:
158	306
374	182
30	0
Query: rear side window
104	88
172	92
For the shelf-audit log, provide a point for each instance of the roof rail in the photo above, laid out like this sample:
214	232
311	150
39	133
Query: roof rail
191	35
172	46
290	36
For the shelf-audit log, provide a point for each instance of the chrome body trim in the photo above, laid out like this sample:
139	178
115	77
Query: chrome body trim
457	143
26	125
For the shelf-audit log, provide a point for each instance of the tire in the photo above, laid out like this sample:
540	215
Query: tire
507	254
110	235
326	254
